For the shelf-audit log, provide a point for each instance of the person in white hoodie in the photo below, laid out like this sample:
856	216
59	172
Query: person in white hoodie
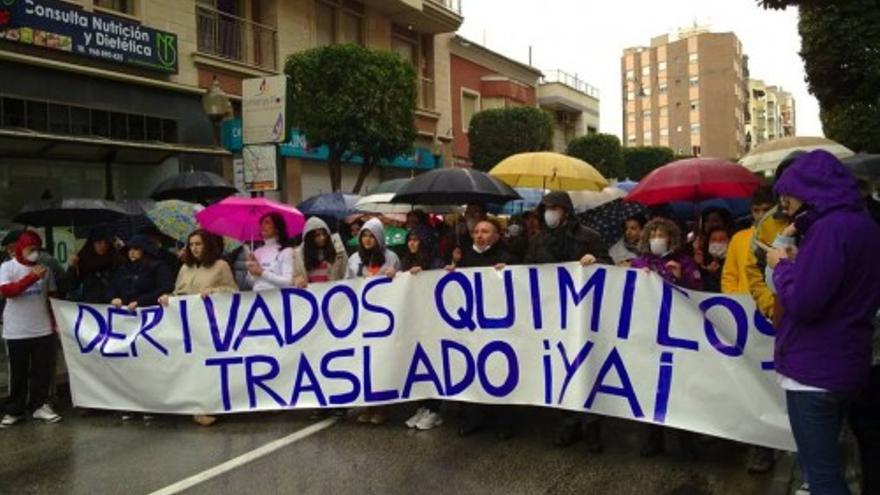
271	266
372	259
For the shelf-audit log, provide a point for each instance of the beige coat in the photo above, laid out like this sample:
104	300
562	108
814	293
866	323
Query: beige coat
196	279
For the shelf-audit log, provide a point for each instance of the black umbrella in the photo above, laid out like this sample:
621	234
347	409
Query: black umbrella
196	187
864	165
69	212
608	219
454	186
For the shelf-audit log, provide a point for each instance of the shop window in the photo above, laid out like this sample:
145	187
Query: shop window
37	116
169	131
118	125
13	112
100	123
79	121
59	119
154	128
136	127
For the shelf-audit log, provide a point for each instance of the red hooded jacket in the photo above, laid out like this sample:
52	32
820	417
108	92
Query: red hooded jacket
27	239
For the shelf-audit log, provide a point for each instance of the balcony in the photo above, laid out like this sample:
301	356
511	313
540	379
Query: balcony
423	16
572	81
453	5
236	39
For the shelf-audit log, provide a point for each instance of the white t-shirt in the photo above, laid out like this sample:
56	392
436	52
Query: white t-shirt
26	316
277	265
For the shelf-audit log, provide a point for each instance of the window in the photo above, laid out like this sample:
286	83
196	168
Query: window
664	132
695	128
224	28
124	6
696	151
631	139
630	117
646	92
693	58
694	81
661	66
630	95
646	114
352	28
630	75
325	24
592	130
647	136
695	104
470	105
646	70
664	111
663	88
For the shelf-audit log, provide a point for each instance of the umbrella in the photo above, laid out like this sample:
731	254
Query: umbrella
175	218
136	219
531	198
381	203
333	205
196	186
547	170
389	186
738	208
864	165
587	200
69	212
766	157
454	186
394	236
695	179
239	218
608	219
627	185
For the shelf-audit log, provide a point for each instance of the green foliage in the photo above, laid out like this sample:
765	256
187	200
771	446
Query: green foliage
353	100
641	160
496	134
601	151
840	46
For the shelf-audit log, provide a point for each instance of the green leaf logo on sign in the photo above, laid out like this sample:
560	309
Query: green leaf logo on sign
8	3
166	49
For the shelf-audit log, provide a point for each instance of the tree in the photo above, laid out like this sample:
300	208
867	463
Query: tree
840	46
641	160
354	101
601	151
496	134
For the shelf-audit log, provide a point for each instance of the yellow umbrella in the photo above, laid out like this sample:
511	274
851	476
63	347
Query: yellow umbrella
545	170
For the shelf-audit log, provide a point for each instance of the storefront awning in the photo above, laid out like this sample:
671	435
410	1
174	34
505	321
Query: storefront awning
25	143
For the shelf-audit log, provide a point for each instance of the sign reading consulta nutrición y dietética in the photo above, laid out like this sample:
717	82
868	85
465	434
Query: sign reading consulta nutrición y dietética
55	25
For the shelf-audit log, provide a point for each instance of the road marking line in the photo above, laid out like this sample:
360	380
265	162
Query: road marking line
245	458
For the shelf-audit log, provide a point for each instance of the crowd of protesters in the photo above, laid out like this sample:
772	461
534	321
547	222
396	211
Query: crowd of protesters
805	255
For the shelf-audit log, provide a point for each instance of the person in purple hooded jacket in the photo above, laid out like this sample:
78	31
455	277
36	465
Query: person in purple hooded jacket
829	289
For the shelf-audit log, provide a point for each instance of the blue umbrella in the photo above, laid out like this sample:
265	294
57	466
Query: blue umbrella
330	205
685	210
531	198
627	185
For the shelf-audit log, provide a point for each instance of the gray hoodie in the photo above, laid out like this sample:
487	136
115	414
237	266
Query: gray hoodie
355	265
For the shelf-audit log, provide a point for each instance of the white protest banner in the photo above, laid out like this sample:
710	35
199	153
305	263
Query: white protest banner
600	339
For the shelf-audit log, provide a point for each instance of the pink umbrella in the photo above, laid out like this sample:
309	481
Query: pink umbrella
694	179
239	218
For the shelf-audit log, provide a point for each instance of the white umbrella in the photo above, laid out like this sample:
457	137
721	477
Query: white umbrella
766	157
381	203
587	200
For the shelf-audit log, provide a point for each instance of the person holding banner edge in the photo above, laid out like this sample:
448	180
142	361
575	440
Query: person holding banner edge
563	238
203	272
829	290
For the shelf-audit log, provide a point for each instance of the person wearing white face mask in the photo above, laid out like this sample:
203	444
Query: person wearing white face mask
564	239
716	252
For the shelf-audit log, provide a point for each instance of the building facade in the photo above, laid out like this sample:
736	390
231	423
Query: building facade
688	94
771	113
573	105
481	80
102	98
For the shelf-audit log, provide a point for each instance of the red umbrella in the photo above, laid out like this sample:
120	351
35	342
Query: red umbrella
695	179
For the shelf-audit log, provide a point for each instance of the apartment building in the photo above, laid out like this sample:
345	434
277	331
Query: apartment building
770	115
686	93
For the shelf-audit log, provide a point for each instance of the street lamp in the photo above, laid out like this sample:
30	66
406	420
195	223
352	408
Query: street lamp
217	106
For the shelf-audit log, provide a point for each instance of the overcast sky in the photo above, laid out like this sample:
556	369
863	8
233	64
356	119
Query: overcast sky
587	37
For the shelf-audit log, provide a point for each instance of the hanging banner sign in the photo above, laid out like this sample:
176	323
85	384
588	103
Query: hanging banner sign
61	26
601	339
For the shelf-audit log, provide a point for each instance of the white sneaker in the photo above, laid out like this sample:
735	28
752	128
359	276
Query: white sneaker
45	413
430	420
9	420
411	422
126	416
804	489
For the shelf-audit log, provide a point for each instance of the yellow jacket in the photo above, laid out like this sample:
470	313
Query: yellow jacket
766	232
733	276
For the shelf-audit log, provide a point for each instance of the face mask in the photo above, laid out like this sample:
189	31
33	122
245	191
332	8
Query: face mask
33	257
481	250
659	246
552	218
514	230
718	249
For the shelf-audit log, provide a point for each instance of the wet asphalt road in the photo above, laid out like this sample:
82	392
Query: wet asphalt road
99	454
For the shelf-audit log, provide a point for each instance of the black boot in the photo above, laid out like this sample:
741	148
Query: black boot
653	442
472	420
688	443
593	435
567	433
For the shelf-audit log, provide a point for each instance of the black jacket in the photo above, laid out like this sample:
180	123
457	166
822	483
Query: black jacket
141	282
495	255
569	242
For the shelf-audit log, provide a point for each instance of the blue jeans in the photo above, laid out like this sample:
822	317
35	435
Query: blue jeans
816	419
